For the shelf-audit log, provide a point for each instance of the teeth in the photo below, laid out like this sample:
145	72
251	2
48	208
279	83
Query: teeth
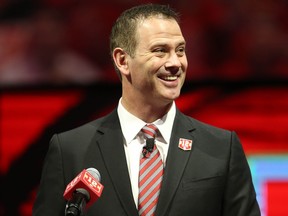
170	78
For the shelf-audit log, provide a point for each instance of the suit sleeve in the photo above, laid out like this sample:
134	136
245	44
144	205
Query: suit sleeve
49	200
240	196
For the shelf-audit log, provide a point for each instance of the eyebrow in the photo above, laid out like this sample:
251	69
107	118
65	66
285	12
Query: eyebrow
161	44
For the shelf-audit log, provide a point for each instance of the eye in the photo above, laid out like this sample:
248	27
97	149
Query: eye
181	51
159	50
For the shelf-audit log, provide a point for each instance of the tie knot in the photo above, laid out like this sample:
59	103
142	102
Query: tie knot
149	130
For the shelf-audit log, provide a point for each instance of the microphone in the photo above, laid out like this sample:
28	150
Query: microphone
149	147
82	191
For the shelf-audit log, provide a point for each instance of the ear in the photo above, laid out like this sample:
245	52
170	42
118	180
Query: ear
120	60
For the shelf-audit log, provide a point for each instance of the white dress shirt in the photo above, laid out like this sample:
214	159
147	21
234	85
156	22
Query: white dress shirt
134	140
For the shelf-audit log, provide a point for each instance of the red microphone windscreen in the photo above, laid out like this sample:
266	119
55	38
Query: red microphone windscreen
85	180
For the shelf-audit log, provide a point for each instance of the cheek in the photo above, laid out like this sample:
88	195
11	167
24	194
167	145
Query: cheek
156	63
139	78
143	71
184	63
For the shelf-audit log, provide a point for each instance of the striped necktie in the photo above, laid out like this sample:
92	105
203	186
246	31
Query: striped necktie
150	176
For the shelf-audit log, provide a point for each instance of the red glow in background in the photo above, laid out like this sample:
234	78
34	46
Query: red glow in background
56	74
30	117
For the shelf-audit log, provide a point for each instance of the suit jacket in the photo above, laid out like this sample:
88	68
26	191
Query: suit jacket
212	179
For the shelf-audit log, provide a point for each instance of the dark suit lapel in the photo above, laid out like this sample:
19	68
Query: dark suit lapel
110	142
175	163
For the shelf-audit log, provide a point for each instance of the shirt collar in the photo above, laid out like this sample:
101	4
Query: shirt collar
131	125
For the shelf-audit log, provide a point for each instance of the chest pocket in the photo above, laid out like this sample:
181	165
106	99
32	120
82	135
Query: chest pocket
203	183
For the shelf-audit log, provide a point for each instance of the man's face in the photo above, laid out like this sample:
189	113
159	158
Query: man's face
158	68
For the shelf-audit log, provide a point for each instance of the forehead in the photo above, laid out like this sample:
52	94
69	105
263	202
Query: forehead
157	28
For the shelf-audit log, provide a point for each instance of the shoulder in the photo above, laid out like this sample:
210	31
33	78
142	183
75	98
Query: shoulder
199	125
211	139
85	133
206	134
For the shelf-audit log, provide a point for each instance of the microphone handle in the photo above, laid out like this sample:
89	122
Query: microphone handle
76	204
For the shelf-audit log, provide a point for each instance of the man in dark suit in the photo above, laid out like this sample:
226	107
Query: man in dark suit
205	170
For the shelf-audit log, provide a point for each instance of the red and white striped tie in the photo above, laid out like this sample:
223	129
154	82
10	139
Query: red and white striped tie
150	176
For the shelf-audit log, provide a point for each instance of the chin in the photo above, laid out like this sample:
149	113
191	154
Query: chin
172	97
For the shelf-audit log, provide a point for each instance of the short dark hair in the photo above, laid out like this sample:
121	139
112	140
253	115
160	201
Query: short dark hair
123	32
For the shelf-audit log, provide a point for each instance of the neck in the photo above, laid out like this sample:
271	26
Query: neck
145	111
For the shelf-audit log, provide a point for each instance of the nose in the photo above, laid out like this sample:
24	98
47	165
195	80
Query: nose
173	62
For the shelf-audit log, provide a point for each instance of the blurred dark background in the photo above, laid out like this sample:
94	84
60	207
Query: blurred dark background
56	73
67	41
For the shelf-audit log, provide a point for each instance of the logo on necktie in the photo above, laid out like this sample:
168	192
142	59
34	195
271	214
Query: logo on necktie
185	144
